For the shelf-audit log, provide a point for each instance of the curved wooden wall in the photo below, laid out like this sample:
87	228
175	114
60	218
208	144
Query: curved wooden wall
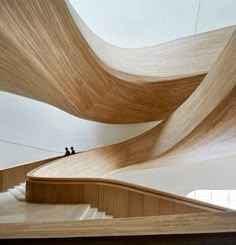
120	199
45	57
203	127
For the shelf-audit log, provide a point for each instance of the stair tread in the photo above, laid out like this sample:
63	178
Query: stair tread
79	212
99	215
20	188
108	217
90	214
17	194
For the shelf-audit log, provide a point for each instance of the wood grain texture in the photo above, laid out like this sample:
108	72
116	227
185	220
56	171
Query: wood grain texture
203	223
184	57
45	57
203	127
12	176
116	198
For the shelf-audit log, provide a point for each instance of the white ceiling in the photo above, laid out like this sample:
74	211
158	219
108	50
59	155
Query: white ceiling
139	23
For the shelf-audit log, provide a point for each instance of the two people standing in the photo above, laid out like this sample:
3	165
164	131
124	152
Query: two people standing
67	153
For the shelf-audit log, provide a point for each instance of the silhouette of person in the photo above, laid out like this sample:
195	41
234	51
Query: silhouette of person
72	150
67	153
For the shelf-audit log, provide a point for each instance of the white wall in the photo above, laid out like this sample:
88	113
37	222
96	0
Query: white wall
139	23
214	14
37	124
216	174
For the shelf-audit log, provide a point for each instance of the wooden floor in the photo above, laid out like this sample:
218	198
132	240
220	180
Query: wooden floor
206	223
45	57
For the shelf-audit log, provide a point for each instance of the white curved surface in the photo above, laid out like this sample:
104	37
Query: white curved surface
217	174
38	124
141	23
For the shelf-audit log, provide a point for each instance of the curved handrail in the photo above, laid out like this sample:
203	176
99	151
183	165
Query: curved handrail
134	188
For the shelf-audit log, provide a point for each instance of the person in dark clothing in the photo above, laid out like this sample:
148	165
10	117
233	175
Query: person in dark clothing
67	153
72	150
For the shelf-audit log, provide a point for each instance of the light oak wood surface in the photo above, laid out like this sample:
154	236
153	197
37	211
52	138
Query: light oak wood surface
203	127
116	198
221	222
44	56
184	57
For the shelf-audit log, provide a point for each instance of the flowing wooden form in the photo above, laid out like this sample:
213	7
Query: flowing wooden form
203	127
44	56
120	199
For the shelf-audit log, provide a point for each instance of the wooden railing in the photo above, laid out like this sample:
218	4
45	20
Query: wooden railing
115	197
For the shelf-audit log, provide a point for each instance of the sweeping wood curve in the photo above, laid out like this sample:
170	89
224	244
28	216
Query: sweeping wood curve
202	128
117	198
45	57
